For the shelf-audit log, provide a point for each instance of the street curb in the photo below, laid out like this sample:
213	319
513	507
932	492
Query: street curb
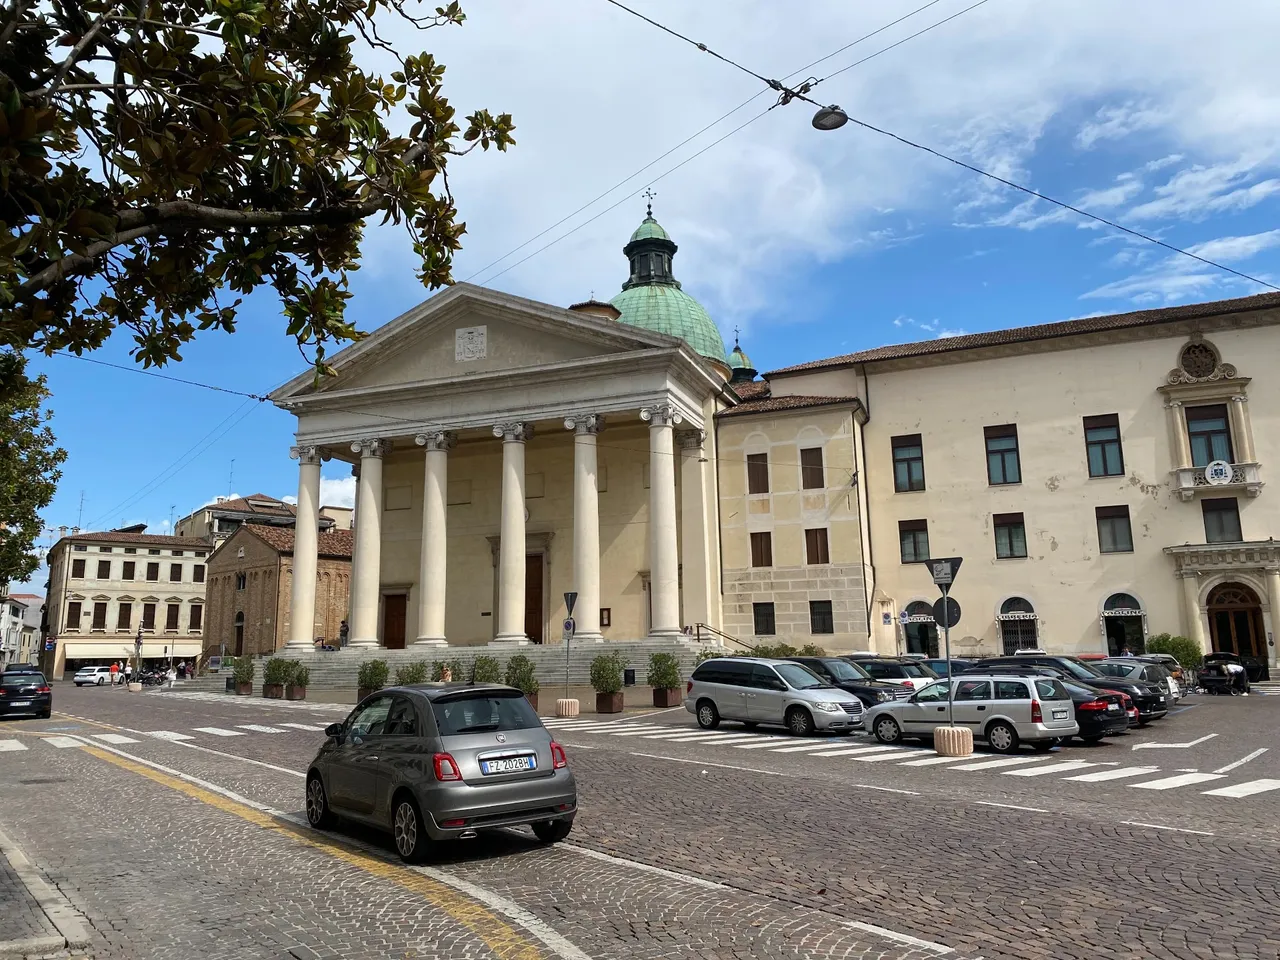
64	917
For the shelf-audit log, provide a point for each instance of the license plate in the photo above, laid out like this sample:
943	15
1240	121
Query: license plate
1059	714
508	765
1113	707
1162	699
22	703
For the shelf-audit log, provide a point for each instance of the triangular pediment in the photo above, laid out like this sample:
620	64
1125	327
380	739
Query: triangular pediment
468	330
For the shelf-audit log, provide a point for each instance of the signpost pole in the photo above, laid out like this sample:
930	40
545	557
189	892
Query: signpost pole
567	637
946	635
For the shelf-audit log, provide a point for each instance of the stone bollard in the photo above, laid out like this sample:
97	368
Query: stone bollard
953	741
569	708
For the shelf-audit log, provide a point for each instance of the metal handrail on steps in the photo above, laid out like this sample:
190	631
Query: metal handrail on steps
705	628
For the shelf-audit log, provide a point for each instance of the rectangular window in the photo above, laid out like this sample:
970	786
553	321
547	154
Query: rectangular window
153	571
199	553
79	547
104	549
1102	446
765	626
908	463
175	573
99	616
177	553
127	570
148	616
1221	520
197	573
154	553
130	549
171	616
1003	465
913	538
197	612
77	568
73	615
811	475
762	550
820	620
104	569
815	546
1209	433
1115	535
1011	536
124	618
757	473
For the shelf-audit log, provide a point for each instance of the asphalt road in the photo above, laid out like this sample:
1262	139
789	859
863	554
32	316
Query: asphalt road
685	845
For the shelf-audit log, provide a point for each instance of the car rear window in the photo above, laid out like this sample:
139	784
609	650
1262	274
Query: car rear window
882	670
1011	690
22	680
724	671
843	670
1052	690
799	677
482	712
916	670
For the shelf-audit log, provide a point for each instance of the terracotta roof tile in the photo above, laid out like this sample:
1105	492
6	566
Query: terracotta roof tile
750	389
145	539
277	508
773	404
1043	331
336	544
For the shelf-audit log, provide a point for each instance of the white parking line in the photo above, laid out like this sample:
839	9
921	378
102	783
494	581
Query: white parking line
712	737
647	730
1181	780
63	742
1010	806
898	754
799	748
1242	761
169	735
932	761
997	764
309	727
682	734
761	743
850	751
1065	767
219	732
1117	774
259	728
1161	826
11	746
115	738
1244	789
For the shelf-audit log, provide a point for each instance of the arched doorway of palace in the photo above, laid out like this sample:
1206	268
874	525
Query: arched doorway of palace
1235	621
920	629
1123	624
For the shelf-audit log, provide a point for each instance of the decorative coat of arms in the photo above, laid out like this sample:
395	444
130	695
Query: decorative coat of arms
470	343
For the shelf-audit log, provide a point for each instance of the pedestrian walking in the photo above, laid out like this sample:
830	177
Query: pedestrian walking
171	676
115	674
182	669
128	673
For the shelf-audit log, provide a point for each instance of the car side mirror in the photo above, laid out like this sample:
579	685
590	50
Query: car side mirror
333	730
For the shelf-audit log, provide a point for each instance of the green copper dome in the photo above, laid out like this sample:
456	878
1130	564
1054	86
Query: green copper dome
652	299
738	360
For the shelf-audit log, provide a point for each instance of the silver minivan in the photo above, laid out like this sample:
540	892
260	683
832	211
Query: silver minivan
1006	711
754	690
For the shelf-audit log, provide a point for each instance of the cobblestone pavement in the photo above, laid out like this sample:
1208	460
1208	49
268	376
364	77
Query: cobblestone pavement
21	918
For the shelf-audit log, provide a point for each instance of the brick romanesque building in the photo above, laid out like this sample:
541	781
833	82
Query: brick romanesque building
250	579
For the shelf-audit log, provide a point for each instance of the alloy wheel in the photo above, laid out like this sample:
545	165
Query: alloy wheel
406	829
315	802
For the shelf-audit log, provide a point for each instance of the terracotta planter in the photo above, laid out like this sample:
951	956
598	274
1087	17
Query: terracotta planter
273	691
362	692
244	689
533	701
609	702
295	693
667	697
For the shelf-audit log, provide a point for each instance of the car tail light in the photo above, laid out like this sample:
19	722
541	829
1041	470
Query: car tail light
43	690
446	768
1036	715
450	824
1094	705
908	683
558	759
688	687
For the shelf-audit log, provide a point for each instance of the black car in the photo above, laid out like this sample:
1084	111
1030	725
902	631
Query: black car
903	671
1099	713
20	668
850	676
25	694
939	665
1152	702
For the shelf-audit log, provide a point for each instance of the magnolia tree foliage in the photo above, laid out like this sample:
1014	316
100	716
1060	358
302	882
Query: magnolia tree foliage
161	159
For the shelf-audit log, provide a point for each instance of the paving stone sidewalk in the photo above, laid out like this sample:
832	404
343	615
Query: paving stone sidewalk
21	919
34	920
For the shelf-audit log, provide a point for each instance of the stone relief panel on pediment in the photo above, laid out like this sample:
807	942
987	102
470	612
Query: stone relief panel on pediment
1199	361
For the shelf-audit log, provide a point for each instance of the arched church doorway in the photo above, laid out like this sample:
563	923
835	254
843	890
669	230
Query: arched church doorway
920	629
1235	621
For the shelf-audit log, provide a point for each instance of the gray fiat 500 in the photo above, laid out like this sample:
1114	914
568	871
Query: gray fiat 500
441	762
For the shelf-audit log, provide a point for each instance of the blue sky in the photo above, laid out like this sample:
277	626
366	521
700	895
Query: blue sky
1160	114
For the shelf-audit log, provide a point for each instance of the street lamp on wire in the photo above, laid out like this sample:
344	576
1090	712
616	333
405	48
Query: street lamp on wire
830	118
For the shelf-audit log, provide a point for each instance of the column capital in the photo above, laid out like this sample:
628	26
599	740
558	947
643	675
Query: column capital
1189	574
1172	404
440	440
661	415
308	454
586	423
372	447
1240	399
516	431
691	439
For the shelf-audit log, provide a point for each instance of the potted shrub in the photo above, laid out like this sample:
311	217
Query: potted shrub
486	670
415	672
372	677
274	676
521	675
664	677
296	688
243	676
606	678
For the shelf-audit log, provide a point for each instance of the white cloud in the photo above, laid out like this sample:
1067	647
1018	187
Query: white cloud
1125	189
337	491
1199	191
1236	248
1116	122
1178	278
932	327
1154	165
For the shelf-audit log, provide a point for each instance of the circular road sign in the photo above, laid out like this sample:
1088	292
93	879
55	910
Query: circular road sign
946	613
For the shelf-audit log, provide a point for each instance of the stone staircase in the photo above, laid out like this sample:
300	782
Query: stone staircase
337	670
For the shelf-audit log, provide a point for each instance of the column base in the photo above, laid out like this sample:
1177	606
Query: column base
364	644
299	645
588	638
510	640
431	642
666	635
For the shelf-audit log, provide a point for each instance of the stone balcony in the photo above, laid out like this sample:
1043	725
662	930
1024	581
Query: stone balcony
1246	477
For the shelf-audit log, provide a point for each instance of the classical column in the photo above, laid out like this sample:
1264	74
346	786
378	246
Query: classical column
306	548
664	556
367	557
431	569
694	527
511	548
1273	599
1181	439
1240	427
586	525
1191	609
354	572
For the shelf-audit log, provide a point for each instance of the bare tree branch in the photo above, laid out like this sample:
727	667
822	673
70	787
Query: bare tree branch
74	55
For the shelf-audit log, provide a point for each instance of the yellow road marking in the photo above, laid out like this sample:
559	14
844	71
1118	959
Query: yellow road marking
505	942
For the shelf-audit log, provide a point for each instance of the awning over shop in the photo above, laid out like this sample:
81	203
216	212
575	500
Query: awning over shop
121	650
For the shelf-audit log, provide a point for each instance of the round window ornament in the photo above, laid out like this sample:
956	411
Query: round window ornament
1199	360
1217	473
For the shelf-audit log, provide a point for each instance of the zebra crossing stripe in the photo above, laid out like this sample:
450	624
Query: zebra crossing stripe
711	737
850	751
116	738
762	743
1119	773
169	735
63	742
897	754
821	745
309	727
997	764
259	728
1065	767
1247	789
932	761
219	732
1181	780
11	746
